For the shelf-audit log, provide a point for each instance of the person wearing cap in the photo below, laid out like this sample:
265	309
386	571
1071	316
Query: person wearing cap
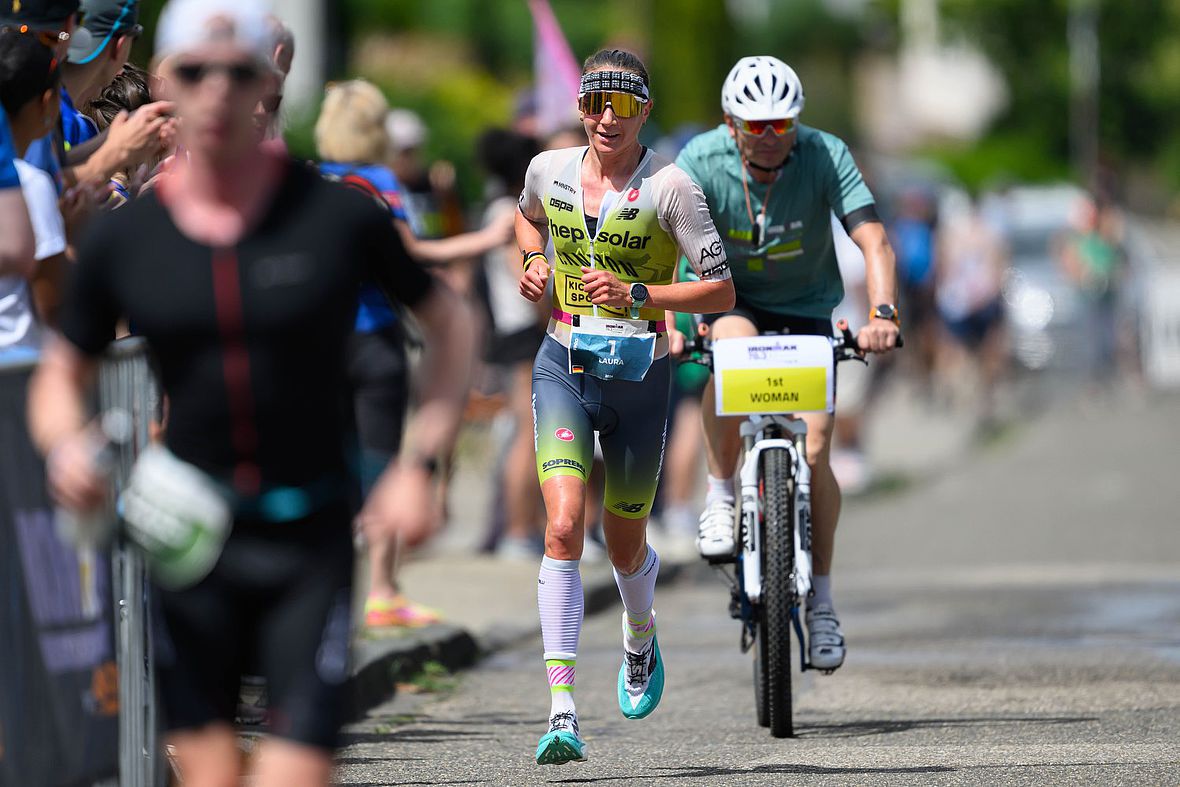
71	153
28	93
99	48
242	270
772	185
52	22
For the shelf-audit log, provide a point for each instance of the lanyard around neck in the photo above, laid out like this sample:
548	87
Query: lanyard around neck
756	226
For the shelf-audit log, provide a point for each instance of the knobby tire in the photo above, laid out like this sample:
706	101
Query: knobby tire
778	557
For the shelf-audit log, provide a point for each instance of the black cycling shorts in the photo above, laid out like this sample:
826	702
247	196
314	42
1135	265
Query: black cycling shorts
772	322
279	599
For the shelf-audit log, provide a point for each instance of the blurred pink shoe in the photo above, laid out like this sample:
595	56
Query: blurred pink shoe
398	611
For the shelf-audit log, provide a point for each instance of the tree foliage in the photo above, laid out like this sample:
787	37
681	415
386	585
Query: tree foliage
1139	87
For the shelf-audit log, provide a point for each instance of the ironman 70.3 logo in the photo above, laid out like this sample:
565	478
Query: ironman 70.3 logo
564	435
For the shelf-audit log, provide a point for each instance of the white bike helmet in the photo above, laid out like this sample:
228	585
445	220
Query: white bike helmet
762	88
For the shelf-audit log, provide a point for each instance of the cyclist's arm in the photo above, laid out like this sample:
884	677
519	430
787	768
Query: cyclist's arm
880	262
879	335
685	214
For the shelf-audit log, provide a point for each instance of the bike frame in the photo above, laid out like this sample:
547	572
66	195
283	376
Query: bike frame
761	433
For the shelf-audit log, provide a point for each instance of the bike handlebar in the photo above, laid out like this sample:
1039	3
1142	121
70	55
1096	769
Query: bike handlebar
844	345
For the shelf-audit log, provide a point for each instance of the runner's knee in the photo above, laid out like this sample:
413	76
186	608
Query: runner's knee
564	534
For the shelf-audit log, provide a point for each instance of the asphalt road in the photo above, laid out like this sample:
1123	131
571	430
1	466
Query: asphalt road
1015	620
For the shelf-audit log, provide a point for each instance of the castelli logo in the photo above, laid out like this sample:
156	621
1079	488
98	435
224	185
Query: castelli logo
632	195
564	435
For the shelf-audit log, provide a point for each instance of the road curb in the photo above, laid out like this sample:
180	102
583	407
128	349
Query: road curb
380	663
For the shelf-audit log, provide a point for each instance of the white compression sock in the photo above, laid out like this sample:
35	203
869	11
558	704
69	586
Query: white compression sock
719	489
562	604
821	586
638	591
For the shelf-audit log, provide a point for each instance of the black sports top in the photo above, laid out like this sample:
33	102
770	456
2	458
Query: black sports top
249	339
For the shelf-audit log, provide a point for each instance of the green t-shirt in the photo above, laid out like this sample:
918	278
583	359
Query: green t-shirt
792	270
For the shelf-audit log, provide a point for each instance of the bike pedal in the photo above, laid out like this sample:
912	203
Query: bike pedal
720	560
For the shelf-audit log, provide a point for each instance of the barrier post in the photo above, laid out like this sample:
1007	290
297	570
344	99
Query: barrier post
125	381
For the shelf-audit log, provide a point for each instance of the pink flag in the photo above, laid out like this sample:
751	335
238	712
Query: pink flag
556	71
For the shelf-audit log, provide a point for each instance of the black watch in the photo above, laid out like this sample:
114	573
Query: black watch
886	311
639	294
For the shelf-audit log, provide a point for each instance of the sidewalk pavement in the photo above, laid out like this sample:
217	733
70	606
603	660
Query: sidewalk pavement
489	603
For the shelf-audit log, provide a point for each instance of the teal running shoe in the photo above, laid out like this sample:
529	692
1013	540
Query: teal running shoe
562	743
641	678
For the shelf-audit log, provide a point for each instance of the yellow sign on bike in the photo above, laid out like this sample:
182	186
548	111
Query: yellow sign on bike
773	374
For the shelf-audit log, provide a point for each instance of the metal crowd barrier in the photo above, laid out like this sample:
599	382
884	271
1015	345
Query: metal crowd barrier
126	382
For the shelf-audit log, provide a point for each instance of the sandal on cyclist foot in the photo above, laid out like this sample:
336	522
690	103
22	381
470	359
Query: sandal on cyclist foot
825	640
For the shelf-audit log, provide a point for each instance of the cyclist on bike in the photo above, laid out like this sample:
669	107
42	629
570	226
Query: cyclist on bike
619	216
772	185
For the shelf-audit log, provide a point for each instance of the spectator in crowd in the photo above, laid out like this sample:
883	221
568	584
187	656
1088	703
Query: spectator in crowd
1092	256
270	118
99	48
17	244
913	233
430	188
352	141
52	23
67	153
28	82
126	93
969	277
518	327
352	144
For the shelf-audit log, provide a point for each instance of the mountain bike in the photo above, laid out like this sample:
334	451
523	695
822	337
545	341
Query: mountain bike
768	378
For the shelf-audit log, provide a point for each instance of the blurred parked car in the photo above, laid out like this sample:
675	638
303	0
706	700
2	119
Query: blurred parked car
1044	309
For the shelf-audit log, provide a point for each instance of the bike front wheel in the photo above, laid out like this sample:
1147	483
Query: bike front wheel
761	694
777	488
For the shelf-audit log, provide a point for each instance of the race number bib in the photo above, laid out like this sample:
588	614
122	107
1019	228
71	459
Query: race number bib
611	349
774	374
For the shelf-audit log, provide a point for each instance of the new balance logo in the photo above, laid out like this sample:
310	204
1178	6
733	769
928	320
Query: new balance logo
628	214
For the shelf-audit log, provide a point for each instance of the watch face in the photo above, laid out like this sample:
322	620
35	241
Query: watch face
638	292
885	312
